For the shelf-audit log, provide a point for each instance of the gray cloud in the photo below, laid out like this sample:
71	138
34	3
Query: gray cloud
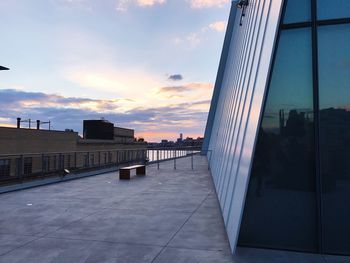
63	115
176	77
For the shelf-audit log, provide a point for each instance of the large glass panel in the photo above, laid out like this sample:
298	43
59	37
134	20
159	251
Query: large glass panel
280	209
297	11
334	82
327	9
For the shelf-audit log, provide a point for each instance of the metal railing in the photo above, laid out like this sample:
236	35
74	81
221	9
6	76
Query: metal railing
19	168
163	154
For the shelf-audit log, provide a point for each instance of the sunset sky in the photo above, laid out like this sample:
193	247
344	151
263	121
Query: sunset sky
149	65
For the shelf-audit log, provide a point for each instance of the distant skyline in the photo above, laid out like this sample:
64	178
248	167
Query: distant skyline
149	65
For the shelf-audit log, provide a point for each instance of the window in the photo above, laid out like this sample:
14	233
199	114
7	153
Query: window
62	162
86	160
333	9
18	167
55	162
5	167
297	11
334	90
28	165
92	160
280	209
68	161
46	163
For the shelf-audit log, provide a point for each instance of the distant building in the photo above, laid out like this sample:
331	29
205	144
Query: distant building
180	142
23	150
98	130
124	135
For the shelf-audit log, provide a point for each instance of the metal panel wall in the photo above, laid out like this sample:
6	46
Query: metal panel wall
239	106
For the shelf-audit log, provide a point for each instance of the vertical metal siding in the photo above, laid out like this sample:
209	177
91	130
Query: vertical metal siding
239	104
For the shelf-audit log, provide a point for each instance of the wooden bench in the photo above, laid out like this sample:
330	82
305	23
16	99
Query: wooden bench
124	173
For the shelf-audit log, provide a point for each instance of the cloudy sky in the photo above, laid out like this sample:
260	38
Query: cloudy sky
143	64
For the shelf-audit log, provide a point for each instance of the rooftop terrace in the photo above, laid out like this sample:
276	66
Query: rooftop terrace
168	216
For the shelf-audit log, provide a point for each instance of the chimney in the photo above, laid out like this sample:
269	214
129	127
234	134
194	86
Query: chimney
18	123
38	124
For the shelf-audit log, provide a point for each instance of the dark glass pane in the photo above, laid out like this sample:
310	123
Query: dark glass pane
327	9
334	68
297	11
280	209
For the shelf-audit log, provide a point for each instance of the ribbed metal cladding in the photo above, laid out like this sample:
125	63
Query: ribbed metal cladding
232	135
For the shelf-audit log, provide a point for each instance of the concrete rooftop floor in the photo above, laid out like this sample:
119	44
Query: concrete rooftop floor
168	216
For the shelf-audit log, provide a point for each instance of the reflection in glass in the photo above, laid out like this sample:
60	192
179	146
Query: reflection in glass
333	9
334	84
280	208
297	11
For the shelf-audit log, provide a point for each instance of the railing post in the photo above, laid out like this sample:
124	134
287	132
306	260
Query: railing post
209	160
60	162
158	159
21	167
99	159
75	160
192	159
174	159
42	165
88	159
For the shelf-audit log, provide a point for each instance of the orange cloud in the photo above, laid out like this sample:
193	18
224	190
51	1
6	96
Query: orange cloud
158	136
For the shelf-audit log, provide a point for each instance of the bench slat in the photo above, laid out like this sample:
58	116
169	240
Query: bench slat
132	167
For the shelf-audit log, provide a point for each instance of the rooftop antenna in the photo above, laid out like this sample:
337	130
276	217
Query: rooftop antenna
47	122
19	121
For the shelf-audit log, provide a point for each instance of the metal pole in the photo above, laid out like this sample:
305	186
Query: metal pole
192	160
75	160
42	165
158	158
21	167
174	159
209	160
88	159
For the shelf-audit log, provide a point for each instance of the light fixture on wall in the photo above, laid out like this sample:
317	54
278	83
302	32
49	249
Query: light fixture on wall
242	4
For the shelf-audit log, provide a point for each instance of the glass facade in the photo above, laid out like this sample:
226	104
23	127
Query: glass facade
299	187
281	194
297	11
333	9
334	85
